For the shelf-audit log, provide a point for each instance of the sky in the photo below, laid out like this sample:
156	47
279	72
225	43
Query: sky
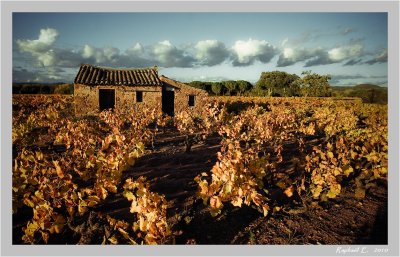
350	47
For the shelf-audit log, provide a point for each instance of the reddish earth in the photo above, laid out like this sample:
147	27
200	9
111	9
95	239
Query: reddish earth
171	172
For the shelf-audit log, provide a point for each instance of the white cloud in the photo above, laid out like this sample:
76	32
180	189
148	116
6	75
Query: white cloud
167	55
88	51
165	51
41	48
288	53
320	56
47	59
211	52
46	39
136	49
202	54
163	54
339	54
101	55
292	55
246	52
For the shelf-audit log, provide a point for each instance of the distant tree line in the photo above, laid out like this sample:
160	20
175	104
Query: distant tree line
29	88
229	87
271	83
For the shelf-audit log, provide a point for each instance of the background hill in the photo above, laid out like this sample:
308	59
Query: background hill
42	88
369	93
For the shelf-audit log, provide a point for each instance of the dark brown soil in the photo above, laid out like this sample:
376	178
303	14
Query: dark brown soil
171	172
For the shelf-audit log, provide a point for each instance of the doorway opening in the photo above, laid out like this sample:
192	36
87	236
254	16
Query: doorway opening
106	99
168	96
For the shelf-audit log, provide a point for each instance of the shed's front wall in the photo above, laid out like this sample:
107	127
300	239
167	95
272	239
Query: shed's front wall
87	98
182	99
126	97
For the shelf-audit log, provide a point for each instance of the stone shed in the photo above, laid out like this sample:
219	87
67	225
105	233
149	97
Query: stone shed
99	88
183	95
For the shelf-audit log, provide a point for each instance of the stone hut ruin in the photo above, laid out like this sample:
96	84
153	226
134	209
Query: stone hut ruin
179	96
99	88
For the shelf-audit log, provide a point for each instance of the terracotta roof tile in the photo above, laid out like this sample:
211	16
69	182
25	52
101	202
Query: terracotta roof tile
93	75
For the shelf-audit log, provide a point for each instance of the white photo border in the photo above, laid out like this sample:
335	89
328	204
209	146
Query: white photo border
8	7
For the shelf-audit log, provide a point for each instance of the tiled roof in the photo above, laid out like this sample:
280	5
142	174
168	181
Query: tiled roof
93	75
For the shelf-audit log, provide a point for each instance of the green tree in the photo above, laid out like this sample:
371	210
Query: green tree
313	84
201	85
243	86
294	88
277	83
217	88
231	86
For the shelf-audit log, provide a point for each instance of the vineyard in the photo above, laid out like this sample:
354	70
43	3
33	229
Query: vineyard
243	171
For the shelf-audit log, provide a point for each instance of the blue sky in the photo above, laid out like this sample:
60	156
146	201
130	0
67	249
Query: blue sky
351	47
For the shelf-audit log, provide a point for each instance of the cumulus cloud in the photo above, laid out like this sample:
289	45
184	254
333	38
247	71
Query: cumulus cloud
246	52
320	58
164	54
338	54
168	55
341	53
67	58
292	55
294	51
101	55
211	52
44	43
314	57
41	48
45	53
136	49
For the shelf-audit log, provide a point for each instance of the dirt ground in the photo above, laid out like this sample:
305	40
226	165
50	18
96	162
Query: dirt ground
171	172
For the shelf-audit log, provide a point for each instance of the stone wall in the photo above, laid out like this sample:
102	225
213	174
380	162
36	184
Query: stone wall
87	98
182	98
126	97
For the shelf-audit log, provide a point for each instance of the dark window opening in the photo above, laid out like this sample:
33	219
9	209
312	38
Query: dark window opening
106	99
139	96
191	100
